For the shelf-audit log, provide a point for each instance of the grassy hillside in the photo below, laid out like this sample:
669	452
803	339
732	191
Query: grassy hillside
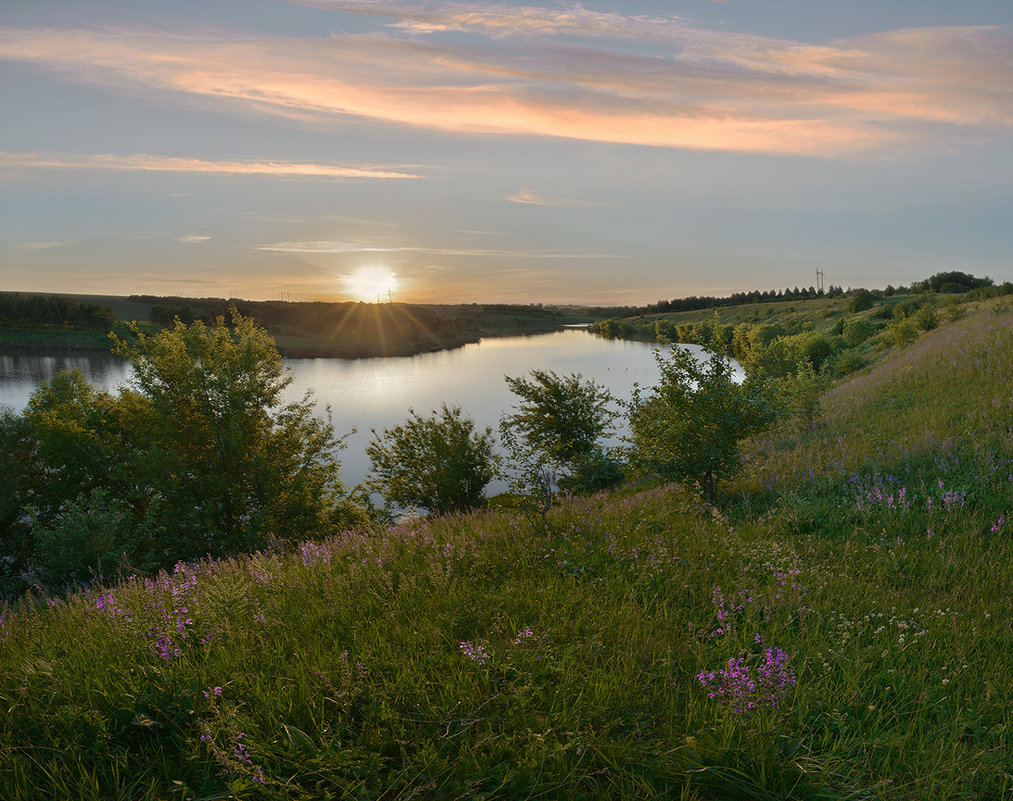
837	628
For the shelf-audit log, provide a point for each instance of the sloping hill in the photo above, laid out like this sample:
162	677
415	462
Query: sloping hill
836	634
950	393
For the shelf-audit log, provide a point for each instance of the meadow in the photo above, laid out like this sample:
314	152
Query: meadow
836	626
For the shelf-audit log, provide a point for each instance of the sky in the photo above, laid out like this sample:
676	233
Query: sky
593	153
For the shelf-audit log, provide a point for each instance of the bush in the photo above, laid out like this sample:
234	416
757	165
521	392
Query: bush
690	424
926	317
593	472
905	309
233	465
954	309
555	432
801	393
438	463
904	332
90	538
817	348
856	332
860	300
846	362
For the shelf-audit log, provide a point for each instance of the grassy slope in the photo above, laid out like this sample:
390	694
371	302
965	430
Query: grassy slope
342	665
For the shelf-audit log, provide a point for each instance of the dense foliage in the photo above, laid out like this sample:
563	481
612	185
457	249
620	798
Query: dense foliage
440	463
554	434
53	311
200	455
688	427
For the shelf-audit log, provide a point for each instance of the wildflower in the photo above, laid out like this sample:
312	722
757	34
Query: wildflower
741	689
475	653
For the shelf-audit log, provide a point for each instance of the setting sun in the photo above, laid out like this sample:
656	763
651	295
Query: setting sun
371	283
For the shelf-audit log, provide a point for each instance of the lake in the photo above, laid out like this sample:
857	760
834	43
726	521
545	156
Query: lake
379	393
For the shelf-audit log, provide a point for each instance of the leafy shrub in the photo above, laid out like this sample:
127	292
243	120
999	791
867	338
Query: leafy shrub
884	311
690	424
91	537
860	300
439	463
801	393
856	332
905	309
553	434
847	361
954	309
817	348
562	417
597	470
904	332
926	317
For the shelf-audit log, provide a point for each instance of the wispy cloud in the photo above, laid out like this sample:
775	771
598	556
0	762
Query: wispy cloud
145	162
701	90
192	239
500	19
351	246
44	245
533	197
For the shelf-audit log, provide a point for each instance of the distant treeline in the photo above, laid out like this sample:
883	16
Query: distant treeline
53	311
326	316
352	329
697	302
945	282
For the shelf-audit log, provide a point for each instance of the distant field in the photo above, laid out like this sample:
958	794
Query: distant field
319	329
54	338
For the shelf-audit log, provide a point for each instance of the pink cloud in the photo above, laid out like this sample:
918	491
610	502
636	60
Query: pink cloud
151	163
715	91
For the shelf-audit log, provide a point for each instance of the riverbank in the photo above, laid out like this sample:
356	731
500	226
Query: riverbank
54	339
319	329
837	626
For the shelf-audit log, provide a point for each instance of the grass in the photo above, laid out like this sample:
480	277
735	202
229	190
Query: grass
603	656
54	338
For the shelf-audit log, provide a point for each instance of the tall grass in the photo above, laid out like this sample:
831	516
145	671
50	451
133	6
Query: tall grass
842	635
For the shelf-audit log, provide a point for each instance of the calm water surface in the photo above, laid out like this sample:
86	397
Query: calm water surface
378	393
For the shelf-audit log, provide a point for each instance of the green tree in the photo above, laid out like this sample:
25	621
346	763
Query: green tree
860	300
561	417
800	393
554	434
689	425
439	463
230	463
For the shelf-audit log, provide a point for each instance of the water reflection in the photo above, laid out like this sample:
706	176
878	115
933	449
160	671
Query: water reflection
21	372
379	393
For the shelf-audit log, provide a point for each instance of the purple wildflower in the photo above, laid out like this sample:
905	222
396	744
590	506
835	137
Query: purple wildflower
476	653
742	689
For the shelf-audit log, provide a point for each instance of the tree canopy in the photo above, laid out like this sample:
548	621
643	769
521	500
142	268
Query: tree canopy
201	454
440	463
688	426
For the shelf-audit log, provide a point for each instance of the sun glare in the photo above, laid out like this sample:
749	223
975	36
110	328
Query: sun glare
372	284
